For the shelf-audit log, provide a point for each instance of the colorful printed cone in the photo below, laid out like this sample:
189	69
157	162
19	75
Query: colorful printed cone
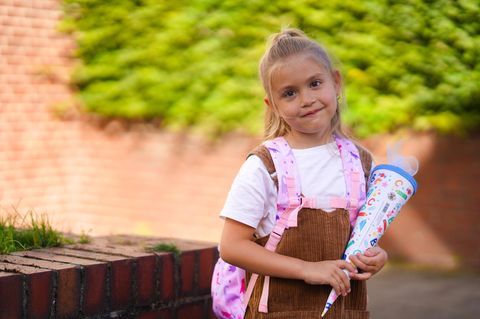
390	187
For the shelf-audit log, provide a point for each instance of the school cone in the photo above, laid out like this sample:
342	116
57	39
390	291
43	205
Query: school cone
390	187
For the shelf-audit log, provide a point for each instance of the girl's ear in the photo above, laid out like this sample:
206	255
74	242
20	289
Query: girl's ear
267	101
337	79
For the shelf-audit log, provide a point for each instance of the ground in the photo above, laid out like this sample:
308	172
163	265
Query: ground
406	292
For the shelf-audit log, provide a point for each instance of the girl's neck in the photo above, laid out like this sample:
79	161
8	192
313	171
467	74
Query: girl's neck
300	140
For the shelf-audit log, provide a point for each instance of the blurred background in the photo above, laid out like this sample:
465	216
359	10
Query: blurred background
133	116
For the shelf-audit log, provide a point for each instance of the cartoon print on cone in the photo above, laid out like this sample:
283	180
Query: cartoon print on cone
390	187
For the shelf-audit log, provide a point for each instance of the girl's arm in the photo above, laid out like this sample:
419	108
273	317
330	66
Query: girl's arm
237	248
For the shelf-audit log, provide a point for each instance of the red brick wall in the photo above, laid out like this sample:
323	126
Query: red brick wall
114	281
34	145
86	178
104	180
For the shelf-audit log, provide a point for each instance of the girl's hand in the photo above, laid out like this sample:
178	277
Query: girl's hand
329	272
370	263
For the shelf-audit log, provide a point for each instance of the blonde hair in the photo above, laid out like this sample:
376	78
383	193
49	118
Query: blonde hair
287	43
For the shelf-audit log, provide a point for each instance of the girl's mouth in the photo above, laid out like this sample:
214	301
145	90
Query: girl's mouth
312	112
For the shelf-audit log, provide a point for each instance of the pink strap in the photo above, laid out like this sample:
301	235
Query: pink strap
271	245
355	181
309	202
339	202
249	291
293	218
288	218
354	190
292	191
263	305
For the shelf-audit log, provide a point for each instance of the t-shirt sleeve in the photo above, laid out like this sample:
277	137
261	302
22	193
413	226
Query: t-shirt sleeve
251	194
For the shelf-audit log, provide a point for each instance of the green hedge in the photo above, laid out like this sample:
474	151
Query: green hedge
194	63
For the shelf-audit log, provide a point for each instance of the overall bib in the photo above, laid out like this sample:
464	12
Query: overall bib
319	236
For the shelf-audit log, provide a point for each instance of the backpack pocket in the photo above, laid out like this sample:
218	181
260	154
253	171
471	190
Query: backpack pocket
228	290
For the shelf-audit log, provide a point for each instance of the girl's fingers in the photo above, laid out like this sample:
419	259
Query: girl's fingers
347	266
362	276
357	262
364	263
371	252
335	283
344	281
369	261
350	267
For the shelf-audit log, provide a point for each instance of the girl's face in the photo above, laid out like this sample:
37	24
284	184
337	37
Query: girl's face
305	94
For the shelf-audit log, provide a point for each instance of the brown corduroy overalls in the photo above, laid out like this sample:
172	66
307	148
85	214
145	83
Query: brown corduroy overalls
318	236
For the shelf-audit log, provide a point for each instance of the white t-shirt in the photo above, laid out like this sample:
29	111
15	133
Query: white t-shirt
253	196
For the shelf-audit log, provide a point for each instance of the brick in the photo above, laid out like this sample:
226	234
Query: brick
145	274
167	276
39	300
68	283
187	273
121	275
39	284
191	311
146	281
120	280
208	258
121	284
11	295
68	293
95	289
82	256
108	249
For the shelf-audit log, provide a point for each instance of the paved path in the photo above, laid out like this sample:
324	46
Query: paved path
399	292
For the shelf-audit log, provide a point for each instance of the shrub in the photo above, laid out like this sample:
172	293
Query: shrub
193	63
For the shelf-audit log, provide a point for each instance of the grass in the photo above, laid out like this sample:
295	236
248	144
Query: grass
84	238
165	247
32	231
29	231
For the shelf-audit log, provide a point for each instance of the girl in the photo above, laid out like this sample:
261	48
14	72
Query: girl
303	93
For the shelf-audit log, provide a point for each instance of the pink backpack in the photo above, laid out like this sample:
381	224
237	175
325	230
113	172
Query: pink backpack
230	295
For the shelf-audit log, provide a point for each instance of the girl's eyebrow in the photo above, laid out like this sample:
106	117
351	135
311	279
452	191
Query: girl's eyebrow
315	76
312	77
286	87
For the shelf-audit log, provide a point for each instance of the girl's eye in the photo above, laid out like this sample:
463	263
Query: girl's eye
288	93
315	83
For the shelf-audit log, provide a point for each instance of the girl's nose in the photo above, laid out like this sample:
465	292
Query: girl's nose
307	99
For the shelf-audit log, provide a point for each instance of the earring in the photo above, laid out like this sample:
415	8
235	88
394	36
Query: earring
339	99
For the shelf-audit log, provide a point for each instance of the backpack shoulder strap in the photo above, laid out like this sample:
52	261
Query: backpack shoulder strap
262	152
366	158
286	169
354	173
278	153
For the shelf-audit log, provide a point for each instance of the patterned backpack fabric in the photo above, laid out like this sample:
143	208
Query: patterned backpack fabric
230	295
